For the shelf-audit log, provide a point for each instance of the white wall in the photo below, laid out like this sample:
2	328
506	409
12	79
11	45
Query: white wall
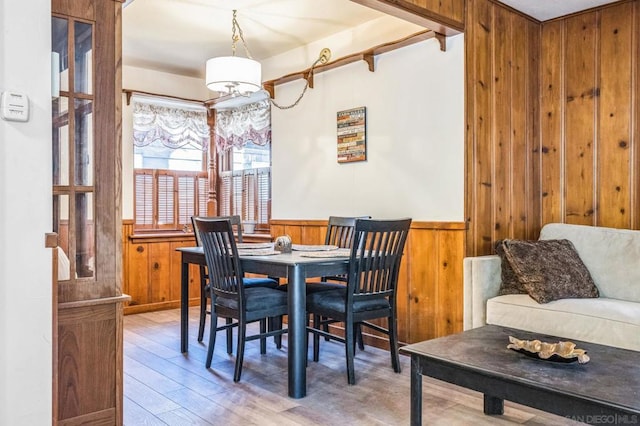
415	138
25	217
151	81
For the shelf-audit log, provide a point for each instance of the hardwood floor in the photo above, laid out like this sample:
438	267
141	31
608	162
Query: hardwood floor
164	387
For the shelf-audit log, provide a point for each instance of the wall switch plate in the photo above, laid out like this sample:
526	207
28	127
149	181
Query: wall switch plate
14	106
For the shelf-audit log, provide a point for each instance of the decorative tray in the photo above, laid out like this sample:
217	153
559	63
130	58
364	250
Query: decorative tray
331	253
556	352
303	247
251	246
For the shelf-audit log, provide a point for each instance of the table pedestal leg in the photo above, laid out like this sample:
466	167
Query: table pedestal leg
416	392
184	308
493	405
297	333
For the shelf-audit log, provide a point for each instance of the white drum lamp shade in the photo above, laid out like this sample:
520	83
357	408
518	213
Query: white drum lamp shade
233	75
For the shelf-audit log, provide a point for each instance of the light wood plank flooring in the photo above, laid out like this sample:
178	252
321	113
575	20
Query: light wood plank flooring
164	387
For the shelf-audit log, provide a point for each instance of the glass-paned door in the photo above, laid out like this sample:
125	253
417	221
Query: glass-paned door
73	147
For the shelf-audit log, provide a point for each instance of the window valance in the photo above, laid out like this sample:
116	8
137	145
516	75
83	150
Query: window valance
173	126
239	126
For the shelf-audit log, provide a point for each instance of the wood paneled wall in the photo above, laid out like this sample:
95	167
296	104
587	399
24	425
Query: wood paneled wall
553	121
502	139
430	284
590	115
152	268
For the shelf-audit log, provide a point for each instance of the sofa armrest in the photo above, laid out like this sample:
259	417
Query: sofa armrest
482	279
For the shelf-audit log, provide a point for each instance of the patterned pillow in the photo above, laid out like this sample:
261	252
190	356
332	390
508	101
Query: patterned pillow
549	269
510	283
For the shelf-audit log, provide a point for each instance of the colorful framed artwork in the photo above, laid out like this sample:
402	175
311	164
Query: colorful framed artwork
352	138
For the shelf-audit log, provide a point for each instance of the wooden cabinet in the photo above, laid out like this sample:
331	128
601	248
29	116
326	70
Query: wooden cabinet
152	270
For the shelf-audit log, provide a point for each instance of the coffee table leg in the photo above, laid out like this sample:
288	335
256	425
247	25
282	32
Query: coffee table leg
493	405
416	391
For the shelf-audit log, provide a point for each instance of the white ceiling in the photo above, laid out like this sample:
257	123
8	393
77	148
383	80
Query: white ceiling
544	10
178	36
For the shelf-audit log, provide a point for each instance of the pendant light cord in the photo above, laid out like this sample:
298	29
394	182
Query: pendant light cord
238	36
323	58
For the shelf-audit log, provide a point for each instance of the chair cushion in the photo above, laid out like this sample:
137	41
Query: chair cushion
257	299
314	287
550	269
335	300
604	321
260	282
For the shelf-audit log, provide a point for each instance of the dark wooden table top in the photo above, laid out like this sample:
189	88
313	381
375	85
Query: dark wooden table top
612	375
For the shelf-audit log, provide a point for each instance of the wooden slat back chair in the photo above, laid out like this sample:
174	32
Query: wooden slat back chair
370	293
236	224
230	298
340	232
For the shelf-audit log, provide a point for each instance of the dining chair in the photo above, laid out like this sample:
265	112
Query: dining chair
370	293
231	298
204	278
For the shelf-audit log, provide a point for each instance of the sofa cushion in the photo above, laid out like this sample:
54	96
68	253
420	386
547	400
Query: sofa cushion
509	281
611	256
604	321
549	269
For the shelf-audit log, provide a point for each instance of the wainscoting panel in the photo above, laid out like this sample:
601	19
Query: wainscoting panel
430	286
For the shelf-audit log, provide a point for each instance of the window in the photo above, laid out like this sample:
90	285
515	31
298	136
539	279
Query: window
170	180
243	141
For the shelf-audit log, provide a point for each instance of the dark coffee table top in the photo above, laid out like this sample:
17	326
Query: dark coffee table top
612	375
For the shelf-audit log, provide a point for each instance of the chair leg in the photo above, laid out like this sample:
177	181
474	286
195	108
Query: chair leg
276	324
242	331
212	338
229	336
393	344
350	345
359	337
203	314
316	339
263	341
325	327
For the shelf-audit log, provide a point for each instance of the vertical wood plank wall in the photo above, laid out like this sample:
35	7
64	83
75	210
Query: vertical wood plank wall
152	268
502	184
590	105
553	121
430	284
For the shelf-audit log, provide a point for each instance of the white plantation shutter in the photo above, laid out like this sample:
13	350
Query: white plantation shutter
236	194
202	194
144	200
249	195
264	196
167	199
225	193
186	199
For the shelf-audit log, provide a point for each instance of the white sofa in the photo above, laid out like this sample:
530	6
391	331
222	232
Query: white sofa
612	257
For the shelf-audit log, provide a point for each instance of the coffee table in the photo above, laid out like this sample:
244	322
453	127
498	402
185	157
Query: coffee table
604	390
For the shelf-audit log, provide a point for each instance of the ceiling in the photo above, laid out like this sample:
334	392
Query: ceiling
544	10
178	36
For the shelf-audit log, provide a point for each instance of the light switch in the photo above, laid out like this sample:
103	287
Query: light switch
14	106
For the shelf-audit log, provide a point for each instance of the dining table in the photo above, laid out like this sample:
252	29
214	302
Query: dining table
295	267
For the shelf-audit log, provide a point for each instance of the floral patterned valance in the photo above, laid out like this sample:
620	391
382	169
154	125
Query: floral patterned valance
174	127
239	126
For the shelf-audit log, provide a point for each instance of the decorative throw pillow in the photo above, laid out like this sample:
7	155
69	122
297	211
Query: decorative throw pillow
510	283
550	269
